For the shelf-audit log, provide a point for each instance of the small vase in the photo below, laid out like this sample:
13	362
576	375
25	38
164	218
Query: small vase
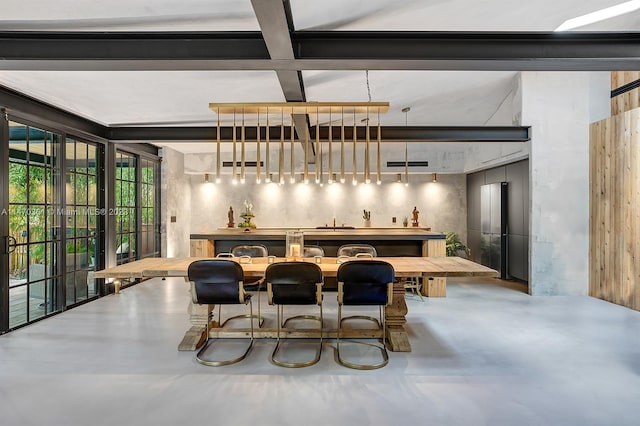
367	224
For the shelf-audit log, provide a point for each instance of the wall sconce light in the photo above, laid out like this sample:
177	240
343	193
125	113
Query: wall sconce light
434	178
206	177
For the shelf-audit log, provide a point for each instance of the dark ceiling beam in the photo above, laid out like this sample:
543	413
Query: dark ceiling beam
389	134
321	50
275	23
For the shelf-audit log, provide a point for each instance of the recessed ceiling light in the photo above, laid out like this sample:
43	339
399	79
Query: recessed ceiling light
599	15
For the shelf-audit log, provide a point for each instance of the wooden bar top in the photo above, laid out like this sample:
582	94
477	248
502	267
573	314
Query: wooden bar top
328	233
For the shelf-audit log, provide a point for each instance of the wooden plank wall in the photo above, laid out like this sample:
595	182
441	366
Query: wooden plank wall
614	209
629	100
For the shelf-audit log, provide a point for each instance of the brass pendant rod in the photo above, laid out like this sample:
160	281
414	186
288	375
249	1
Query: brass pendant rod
305	177
242	136
258	176
293	171
355	139
235	155
267	170
281	152
367	170
318	149
218	161
379	177
330	172
342	179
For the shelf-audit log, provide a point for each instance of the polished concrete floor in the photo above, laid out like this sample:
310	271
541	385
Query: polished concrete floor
486	355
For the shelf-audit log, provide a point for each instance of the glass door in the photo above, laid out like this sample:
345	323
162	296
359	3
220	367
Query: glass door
34	237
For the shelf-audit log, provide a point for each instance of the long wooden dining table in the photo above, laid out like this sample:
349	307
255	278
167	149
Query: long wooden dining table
397	337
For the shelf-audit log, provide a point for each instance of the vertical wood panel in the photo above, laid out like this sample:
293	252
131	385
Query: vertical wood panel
614	228
202	248
629	100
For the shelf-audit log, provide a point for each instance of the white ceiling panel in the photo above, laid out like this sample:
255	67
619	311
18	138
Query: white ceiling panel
446	15
139	98
436	98
128	15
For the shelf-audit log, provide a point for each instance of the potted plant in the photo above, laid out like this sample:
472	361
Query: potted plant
405	221
455	246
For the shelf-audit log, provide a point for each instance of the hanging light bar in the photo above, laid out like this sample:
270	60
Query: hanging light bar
302	108
379	175
218	161
355	139
258	176
305	175
242	137
342	179
406	152
267	170
281	152
367	171
234	180
292	179
331	177
318	149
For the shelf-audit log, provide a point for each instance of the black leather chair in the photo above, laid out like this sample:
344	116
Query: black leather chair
294	283
312	251
368	283
219	282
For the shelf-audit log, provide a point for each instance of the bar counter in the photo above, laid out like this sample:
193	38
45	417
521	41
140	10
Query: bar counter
387	241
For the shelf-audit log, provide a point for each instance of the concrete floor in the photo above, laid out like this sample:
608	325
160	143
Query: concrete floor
485	355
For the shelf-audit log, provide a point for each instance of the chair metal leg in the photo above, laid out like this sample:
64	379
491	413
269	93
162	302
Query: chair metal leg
209	342
383	348
259	317
275	360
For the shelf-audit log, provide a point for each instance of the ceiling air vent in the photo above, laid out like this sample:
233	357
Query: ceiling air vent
410	164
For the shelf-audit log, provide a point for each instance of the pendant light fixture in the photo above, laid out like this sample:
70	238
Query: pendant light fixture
267	168
218	160
331	176
318	148
342	179
406	152
292	179
367	167
242	150
281	151
234	179
379	176
258	174
355	139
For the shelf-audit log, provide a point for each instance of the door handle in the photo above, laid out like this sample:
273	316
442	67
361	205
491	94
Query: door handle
11	244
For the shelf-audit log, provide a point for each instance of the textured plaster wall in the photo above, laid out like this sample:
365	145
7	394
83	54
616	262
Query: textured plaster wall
442	204
175	201
559	106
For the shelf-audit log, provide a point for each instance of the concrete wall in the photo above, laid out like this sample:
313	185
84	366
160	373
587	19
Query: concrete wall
175	202
442	204
559	106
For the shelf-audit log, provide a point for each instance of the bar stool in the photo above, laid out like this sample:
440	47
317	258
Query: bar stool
357	250
294	283
365	283
219	282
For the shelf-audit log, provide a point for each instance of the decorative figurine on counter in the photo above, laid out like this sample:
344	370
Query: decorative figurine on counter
367	218
231	222
414	220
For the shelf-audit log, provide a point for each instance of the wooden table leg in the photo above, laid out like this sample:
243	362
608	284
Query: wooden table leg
397	337
197	334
